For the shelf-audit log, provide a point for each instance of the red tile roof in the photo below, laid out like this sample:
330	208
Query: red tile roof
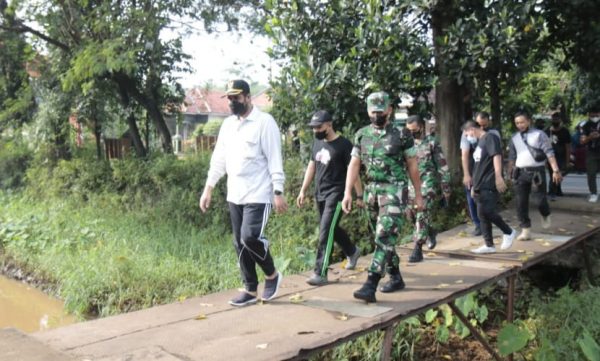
203	101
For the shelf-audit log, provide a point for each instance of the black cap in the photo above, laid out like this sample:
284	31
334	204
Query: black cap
320	117
238	86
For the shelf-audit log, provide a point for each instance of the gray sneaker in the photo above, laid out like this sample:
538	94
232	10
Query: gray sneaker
352	260
316	280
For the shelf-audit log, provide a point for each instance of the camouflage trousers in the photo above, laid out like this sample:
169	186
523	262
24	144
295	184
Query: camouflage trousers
422	220
386	205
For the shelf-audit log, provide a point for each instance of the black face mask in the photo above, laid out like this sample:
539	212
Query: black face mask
416	134
237	108
320	135
556	124
378	120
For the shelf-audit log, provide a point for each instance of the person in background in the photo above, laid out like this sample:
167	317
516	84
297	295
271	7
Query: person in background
561	144
591	139
248	150
467	148
529	172
488	183
388	155
435	176
329	165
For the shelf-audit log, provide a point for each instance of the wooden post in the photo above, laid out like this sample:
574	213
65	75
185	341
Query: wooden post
386	346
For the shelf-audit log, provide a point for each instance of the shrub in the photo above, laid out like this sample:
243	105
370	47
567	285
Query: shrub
14	161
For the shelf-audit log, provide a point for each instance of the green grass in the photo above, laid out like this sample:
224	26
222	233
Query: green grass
105	260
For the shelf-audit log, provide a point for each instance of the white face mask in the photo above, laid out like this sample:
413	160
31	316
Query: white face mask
471	139
595	119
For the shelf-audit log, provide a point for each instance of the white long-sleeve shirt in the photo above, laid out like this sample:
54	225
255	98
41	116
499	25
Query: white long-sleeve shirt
248	150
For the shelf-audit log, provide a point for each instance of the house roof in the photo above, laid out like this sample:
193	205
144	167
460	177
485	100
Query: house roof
209	101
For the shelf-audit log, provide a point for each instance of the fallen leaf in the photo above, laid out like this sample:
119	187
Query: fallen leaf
447	357
474	243
523	258
181	298
530	253
262	346
297	298
462	234
343	264
459	282
430	254
352	277
434	274
546	244
200	317
562	229
442	285
342	317
521	251
360	269
206	305
590	225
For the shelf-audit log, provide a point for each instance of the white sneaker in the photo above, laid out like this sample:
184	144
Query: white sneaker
525	235
593	198
546	222
507	239
484	249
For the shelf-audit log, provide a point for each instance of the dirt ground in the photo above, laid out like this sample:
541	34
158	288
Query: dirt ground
469	349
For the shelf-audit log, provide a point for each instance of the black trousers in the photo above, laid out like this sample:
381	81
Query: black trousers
326	212
531	181
487	210
553	188
592	165
248	222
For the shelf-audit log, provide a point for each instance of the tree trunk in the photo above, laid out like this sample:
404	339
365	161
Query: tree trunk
495	103
134	132
449	105
97	135
150	104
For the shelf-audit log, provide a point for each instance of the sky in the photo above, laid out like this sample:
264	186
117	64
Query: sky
219	57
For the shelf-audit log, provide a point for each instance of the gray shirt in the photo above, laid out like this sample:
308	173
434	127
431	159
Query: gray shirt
520	154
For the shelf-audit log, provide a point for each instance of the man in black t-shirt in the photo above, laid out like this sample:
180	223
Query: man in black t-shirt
487	184
561	144
591	138
329	165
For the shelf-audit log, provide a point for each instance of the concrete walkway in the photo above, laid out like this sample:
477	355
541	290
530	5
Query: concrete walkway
303	319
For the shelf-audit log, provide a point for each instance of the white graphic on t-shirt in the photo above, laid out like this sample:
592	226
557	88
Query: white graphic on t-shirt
477	154
554	139
323	156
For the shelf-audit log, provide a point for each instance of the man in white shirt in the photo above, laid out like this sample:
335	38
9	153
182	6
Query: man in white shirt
248	150
529	149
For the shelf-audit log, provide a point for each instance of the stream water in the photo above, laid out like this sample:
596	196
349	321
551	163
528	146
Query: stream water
29	309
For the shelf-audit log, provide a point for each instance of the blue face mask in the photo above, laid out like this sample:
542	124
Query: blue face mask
472	140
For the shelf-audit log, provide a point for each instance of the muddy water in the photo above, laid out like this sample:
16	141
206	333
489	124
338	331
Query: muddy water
28	309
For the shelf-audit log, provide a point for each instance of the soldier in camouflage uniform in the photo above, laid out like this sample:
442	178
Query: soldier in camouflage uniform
433	171
387	153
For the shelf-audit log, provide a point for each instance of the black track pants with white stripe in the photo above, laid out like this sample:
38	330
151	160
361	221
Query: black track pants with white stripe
248	222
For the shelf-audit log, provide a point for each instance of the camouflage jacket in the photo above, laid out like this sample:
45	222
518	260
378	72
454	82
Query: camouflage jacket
432	163
382	152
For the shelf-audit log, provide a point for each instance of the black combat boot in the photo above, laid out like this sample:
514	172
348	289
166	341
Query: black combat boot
416	255
396	283
431	240
367	291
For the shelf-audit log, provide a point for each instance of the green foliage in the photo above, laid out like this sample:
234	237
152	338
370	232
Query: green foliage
468	305
14	160
512	338
212	127
565	326
589	347
337	53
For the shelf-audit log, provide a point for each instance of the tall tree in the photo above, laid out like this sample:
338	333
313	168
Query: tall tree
16	96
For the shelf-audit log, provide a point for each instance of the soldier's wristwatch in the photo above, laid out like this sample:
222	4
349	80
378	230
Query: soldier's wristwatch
278	193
